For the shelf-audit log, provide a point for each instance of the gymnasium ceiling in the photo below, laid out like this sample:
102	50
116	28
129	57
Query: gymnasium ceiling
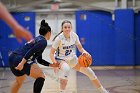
68	5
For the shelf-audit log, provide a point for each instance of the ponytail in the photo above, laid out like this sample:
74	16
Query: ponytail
44	28
57	35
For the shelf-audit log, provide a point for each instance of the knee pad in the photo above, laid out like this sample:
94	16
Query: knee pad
72	61
65	70
88	72
38	84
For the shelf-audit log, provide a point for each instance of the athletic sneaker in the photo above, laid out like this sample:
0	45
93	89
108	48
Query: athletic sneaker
62	91
105	91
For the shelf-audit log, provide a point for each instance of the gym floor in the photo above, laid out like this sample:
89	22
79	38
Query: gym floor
115	80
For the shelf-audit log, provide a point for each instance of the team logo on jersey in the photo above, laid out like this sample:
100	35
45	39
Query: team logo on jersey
68	47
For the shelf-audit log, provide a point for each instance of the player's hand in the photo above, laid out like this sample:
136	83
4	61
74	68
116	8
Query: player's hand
21	33
54	65
86	53
19	67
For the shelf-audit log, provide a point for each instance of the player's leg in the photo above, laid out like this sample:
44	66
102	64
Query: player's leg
32	70
17	83
91	75
37	73
14	60
65	69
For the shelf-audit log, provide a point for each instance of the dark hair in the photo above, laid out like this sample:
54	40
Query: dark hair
66	21
44	28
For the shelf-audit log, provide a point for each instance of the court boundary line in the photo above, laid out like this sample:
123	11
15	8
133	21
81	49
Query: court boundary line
114	67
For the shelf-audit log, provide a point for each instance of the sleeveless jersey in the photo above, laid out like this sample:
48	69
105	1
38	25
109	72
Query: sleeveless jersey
66	48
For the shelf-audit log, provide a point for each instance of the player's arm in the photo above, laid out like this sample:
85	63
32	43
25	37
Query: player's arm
18	30
6	16
42	61
53	59
81	49
79	46
52	55
46	63
55	46
41	45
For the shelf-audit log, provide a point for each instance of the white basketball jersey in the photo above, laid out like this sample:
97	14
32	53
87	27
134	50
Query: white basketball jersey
66	47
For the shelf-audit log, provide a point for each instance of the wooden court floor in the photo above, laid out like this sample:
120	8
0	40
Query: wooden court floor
116	81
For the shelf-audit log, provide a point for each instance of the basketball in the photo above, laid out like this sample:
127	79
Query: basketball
85	60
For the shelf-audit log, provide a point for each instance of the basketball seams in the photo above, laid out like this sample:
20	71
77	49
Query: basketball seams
85	60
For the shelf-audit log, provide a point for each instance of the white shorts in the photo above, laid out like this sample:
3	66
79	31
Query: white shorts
70	60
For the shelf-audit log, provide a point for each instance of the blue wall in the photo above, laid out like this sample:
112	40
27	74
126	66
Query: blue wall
137	38
7	41
109	42
124	28
3	43
114	43
98	32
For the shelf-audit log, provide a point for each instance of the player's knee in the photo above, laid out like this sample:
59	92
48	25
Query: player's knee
65	70
65	67
63	82
40	74
18	83
88	72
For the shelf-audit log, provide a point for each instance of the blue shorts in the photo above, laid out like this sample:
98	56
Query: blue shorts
59	59
14	60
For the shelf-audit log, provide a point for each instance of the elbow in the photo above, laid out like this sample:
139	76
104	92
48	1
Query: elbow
51	55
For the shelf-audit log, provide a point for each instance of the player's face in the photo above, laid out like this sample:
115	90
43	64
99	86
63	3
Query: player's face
48	35
66	28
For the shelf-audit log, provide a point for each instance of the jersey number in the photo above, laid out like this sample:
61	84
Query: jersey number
67	52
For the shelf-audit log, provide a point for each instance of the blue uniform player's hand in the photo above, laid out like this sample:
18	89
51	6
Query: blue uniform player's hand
20	66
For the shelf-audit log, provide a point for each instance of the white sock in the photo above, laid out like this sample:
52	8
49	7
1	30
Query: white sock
62	91
102	90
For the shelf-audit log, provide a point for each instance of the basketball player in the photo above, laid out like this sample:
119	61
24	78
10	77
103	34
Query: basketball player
22	61
18	30
64	49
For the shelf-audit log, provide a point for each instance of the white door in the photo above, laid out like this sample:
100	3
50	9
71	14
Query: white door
54	20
